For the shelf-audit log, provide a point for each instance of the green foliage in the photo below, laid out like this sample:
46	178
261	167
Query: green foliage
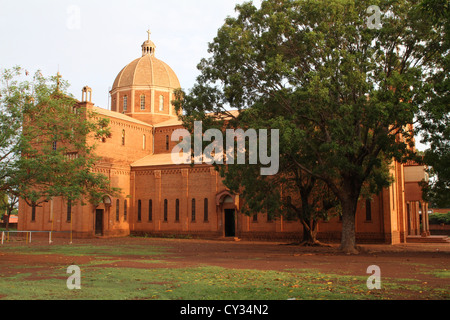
434	118
340	93
50	154
439	218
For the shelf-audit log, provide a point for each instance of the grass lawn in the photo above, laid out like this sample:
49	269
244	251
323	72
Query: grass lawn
136	272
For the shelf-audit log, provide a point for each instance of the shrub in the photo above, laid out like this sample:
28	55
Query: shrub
439	218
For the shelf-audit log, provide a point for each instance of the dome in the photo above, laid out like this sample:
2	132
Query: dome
147	71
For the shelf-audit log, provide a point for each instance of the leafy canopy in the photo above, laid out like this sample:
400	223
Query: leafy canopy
48	151
344	96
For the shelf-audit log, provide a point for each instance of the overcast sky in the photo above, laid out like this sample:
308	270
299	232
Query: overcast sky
90	41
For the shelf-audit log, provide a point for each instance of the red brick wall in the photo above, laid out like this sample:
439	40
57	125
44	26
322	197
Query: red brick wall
161	134
166	96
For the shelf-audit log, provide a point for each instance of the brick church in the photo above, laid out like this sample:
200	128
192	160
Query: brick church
160	198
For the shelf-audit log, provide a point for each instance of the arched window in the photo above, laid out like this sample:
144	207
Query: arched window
368	210
193	209
167	143
177	210
150	210
33	212
117	209
143	102
205	210
125	103
139	212
123	137
165	209
125	210
161	103
69	210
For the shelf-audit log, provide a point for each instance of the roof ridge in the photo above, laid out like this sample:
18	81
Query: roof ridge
134	72
120	116
165	65
153	73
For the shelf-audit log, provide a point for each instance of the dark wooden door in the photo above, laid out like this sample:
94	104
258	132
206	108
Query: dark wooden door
230	224
99	222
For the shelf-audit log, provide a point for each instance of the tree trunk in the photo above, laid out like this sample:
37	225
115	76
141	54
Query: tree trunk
348	240
306	217
310	234
309	237
7	222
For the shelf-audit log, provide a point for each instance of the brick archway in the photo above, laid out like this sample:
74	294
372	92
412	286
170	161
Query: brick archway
221	196
227	211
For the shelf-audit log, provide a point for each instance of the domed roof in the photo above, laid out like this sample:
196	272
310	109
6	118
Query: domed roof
147	71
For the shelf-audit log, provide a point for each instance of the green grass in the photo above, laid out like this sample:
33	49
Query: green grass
202	283
445	273
103	279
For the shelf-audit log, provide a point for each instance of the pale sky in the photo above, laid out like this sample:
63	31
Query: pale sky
90	41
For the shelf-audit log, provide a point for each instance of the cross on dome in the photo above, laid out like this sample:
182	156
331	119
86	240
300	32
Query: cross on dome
148	47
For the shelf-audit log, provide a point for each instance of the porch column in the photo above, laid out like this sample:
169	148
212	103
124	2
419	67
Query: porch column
428	219
425	223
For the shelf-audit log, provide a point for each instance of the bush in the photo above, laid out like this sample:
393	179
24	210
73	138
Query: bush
439	218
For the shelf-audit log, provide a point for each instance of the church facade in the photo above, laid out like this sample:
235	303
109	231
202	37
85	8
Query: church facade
160	198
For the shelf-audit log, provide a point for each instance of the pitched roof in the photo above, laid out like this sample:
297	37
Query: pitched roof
154	160
118	115
169	123
177	122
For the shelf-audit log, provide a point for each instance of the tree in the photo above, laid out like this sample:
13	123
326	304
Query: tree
434	118
3	203
51	152
8	205
10	122
350	90
293	194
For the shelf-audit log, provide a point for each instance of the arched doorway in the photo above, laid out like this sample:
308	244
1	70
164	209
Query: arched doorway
227	210
101	216
99	222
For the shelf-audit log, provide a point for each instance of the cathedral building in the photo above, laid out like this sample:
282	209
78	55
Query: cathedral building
160	198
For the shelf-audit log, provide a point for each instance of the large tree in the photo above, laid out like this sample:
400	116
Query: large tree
47	147
292	194
349	79
434	118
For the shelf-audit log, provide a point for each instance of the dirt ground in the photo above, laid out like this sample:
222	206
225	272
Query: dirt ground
411	261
